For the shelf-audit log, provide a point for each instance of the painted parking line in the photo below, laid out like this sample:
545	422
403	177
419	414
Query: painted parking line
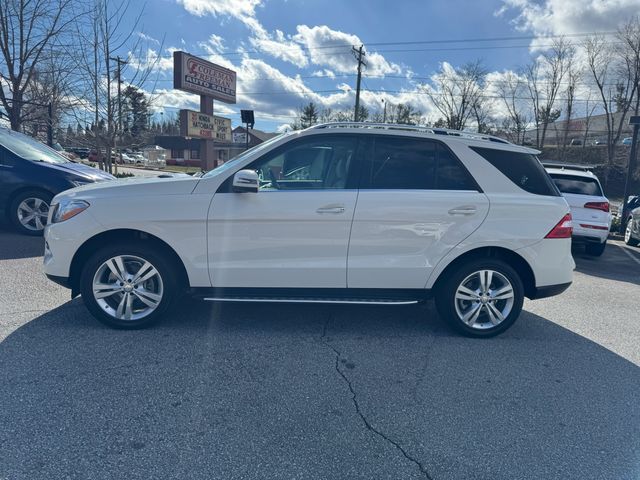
629	254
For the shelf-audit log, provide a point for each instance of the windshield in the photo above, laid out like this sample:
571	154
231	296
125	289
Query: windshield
577	185
29	148
233	162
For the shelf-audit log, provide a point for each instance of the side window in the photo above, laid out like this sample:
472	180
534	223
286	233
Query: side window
321	162
523	169
401	163
452	175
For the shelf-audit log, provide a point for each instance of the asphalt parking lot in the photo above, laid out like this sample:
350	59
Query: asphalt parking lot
327	392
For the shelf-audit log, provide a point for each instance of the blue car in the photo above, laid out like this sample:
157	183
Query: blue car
31	174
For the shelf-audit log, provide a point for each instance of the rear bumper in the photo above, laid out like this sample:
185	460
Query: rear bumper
549	290
595	238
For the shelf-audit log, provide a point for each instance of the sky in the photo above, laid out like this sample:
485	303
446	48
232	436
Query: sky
289	52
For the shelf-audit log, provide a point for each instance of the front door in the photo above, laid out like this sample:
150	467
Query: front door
294	232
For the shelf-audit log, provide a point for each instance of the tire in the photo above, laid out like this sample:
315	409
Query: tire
28	211
150	298
628	236
479	305
595	249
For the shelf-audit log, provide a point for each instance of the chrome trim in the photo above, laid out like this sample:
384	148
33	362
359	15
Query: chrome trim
300	300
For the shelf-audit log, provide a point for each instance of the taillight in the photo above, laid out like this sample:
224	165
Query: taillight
604	206
563	229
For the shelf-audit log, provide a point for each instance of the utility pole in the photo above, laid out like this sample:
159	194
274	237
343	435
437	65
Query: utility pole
359	53
50	124
384	114
120	63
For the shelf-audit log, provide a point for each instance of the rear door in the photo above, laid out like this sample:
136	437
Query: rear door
416	202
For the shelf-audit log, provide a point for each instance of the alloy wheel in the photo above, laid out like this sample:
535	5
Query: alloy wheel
127	287
484	299
33	213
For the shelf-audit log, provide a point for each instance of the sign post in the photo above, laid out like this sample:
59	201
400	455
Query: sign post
210	81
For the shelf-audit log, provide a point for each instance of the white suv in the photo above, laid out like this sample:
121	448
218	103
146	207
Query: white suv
337	213
589	207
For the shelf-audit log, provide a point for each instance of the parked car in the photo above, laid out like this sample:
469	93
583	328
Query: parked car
589	207
382	214
633	201
30	175
632	230
599	142
627	141
576	142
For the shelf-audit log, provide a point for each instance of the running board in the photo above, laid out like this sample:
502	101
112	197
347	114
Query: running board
362	301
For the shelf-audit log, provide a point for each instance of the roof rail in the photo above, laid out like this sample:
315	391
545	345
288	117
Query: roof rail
567	166
412	128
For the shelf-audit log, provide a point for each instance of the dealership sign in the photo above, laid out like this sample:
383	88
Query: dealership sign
193	74
200	125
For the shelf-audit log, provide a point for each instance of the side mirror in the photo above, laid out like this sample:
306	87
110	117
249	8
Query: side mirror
245	181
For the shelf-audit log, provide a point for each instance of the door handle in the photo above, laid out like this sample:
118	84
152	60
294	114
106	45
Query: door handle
331	209
463	210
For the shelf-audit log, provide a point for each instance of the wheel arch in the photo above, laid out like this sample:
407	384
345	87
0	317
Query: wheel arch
24	188
517	262
118	235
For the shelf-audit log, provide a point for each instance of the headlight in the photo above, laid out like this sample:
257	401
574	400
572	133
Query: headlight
79	183
67	209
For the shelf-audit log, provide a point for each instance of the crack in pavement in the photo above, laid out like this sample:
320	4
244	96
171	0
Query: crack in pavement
364	419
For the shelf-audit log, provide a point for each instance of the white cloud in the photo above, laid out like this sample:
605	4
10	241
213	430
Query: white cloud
148	38
332	48
152	60
559	17
324	73
243	10
279	47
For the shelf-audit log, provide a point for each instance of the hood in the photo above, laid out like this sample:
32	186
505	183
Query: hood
132	187
82	170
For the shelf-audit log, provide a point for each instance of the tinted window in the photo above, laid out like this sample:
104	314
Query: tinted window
401	163
451	174
579	185
321	162
29	148
523	169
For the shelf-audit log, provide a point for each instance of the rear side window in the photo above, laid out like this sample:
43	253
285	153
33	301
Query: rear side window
523	169
401	163
578	185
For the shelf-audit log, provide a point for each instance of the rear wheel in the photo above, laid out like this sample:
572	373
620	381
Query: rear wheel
628	236
482	298
595	249
128	286
29	211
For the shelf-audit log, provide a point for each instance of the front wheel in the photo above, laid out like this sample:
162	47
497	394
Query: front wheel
128	286
482	298
29	211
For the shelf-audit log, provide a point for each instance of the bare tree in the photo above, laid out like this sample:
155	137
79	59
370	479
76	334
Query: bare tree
572	76
615	71
510	91
28	28
105	35
544	76
456	91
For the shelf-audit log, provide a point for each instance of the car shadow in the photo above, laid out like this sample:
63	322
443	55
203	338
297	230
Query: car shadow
614	264
252	391
14	245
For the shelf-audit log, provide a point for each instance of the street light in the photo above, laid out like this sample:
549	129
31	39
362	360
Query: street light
635	121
